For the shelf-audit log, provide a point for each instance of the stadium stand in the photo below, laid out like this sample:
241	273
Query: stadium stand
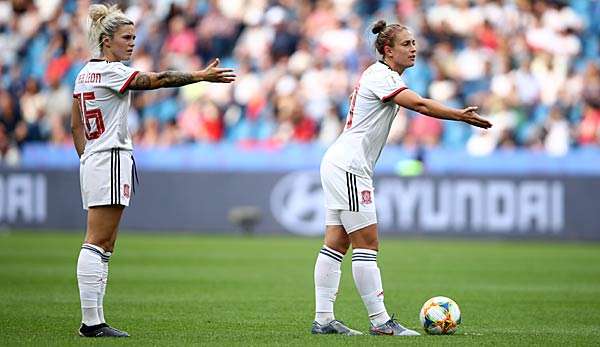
533	67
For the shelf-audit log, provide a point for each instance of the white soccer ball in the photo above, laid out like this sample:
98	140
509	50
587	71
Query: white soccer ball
440	316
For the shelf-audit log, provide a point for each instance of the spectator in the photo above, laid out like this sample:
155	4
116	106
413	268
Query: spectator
557	133
298	61
9	154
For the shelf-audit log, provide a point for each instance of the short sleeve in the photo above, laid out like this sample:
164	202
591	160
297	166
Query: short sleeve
118	77
386	86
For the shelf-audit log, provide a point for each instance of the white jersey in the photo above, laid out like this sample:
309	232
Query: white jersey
369	120
101	89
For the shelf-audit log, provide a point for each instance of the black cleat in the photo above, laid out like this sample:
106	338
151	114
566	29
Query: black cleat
100	330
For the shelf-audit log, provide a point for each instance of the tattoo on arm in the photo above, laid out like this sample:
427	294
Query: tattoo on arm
141	82
165	79
175	78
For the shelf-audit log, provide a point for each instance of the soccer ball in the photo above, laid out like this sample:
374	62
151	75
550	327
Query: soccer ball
440	316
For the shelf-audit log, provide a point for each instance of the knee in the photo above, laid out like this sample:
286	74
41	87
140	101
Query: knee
367	244
337	239
374	245
365	240
372	242
106	244
339	246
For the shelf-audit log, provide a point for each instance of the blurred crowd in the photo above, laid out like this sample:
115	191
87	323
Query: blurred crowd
533	68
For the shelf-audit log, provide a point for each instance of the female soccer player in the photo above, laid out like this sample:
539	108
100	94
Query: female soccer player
101	138
347	179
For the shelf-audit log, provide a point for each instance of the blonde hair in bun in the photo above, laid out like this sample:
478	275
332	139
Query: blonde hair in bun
104	22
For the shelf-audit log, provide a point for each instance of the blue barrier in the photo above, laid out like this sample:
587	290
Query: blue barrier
235	157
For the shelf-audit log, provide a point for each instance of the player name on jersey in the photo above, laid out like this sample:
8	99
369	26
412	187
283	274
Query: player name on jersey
90	77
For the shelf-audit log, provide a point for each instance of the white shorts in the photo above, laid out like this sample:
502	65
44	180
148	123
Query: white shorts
346	191
349	199
351	221
106	178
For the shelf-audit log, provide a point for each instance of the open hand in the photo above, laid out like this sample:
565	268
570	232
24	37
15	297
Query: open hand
469	115
212	73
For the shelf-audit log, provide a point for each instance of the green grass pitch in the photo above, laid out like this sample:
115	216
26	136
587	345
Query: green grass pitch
174	289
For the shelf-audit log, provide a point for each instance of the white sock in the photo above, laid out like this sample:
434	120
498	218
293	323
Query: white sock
103	288
89	277
327	281
368	282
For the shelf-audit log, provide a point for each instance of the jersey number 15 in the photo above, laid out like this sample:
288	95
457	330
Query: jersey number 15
352	105
89	114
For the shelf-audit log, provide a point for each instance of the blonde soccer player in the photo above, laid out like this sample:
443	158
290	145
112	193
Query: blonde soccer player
347	179
99	126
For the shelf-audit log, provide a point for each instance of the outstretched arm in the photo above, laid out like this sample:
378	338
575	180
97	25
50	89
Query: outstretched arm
411	100
166	79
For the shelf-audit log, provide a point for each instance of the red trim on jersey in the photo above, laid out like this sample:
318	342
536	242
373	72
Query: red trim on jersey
122	90
352	104
392	94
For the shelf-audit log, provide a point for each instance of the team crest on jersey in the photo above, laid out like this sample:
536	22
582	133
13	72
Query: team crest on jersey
366	197
126	190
